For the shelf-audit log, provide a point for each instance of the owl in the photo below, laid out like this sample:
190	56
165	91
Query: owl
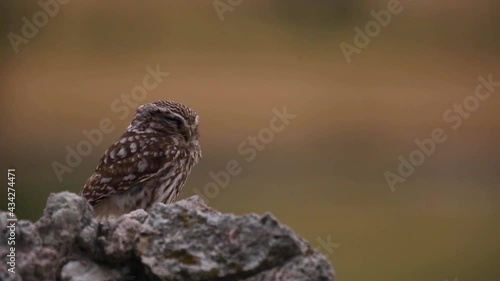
149	163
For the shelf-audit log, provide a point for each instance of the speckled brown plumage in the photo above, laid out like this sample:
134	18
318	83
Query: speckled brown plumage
149	163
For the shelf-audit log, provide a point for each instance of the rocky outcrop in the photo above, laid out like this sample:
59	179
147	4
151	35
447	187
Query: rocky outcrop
183	241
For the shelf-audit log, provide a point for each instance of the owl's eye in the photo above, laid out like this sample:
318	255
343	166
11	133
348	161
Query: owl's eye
175	120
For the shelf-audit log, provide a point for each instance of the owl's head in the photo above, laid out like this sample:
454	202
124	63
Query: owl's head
166	118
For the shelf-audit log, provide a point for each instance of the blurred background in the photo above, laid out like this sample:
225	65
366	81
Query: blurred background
324	174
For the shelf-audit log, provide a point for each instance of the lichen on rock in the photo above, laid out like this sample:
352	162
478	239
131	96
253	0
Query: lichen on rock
183	241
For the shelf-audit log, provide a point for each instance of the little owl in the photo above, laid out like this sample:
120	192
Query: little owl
149	163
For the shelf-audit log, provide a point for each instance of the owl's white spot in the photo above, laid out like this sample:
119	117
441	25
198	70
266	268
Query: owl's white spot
105	180
142	165
122	153
133	147
112	154
124	140
129	177
130	138
146	153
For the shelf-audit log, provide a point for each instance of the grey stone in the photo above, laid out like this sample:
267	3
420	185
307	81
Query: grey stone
113	240
65	215
84	270
183	241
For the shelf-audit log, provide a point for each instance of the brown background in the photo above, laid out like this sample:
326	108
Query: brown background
323	175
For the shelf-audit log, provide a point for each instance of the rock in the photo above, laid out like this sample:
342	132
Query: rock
84	270
112	241
183	241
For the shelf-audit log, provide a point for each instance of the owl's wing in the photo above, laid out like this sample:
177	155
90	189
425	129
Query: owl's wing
129	161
